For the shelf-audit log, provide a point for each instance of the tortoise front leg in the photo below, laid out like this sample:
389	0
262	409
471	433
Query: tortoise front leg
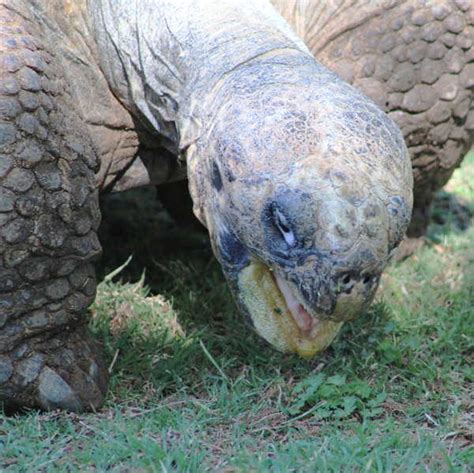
48	221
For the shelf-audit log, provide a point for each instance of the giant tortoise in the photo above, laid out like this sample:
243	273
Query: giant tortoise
304	183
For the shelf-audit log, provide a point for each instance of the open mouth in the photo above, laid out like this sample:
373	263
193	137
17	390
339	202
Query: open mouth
303	319
278	315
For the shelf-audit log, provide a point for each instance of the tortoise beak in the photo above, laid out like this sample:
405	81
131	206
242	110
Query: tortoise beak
277	316
301	309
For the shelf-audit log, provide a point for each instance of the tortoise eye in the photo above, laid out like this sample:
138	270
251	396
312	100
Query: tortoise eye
283	226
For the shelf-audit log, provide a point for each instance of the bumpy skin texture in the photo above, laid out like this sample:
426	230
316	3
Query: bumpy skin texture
415	59
48	221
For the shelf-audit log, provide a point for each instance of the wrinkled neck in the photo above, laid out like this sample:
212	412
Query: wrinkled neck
164	60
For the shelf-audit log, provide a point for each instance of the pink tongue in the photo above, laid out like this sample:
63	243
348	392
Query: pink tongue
304	321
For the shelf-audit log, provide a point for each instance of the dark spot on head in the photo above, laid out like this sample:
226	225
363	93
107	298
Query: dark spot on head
229	175
232	251
216	178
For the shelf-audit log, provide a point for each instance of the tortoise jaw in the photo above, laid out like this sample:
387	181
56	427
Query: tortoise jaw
277	314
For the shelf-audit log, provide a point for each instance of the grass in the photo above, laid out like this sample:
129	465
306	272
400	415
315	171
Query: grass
194	390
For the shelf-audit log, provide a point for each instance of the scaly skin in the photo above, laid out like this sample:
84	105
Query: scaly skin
48	221
415	59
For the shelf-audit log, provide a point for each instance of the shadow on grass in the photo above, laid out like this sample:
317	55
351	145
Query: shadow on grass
450	214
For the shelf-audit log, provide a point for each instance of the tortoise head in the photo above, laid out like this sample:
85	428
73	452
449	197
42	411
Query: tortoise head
306	192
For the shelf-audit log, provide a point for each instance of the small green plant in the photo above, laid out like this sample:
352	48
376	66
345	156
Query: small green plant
335	397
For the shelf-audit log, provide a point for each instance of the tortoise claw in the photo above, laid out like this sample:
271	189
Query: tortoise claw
61	372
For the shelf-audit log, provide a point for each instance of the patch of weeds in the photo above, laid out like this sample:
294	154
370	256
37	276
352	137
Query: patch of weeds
335	396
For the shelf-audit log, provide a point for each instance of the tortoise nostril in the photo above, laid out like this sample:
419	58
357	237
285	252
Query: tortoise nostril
346	283
346	279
